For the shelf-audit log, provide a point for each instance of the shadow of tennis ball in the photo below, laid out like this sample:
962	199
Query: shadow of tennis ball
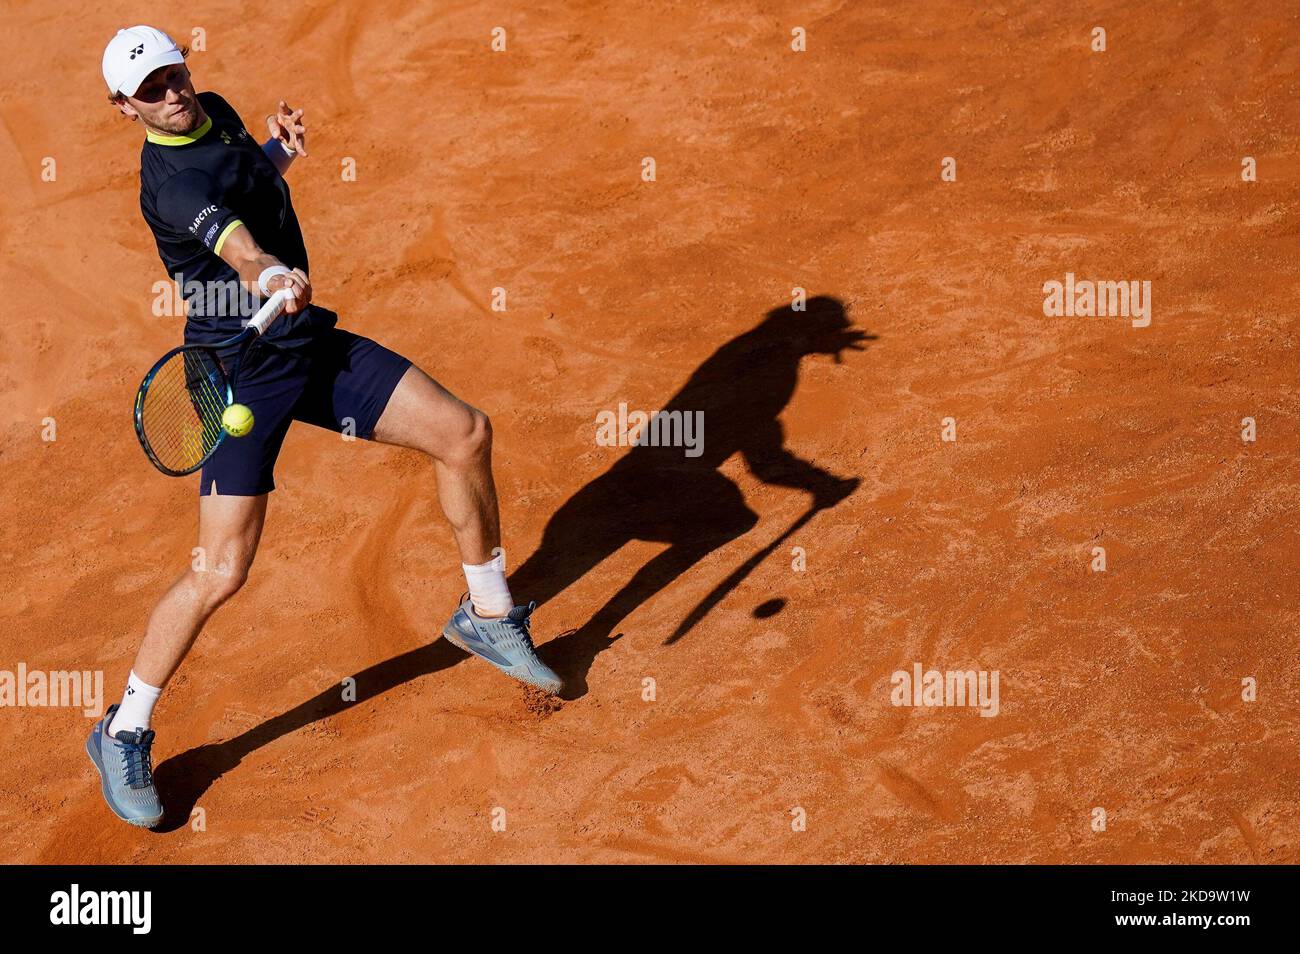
769	608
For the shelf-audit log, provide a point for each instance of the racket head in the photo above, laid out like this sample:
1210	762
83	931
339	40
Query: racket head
178	409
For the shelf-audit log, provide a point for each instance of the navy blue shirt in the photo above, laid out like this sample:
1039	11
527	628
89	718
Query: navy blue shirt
194	190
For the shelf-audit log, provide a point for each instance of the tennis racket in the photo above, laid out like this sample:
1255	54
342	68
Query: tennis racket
180	402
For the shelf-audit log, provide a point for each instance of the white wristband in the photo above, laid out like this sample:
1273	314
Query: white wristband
288	149
268	273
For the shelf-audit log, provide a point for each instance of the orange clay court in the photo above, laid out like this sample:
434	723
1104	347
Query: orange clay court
772	667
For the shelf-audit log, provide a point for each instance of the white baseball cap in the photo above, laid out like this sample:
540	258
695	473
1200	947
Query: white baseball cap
135	53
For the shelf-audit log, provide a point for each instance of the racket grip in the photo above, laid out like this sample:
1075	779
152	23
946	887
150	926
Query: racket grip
270	311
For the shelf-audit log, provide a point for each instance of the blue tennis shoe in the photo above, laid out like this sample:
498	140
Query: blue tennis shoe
125	770
504	641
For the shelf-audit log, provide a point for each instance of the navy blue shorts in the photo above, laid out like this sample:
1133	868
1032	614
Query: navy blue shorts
341	382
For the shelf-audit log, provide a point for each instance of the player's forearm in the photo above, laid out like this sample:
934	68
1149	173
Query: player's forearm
262	273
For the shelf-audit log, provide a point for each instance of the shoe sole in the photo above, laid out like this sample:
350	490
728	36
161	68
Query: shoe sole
103	787
449	635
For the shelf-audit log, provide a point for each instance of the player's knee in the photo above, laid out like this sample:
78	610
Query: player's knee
219	583
480	437
472	440
225	585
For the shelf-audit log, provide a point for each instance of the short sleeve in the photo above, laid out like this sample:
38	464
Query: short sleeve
230	110
189	202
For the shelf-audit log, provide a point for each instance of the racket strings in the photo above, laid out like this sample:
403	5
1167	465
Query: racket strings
183	404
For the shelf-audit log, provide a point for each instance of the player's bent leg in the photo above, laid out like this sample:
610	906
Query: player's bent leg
423	415
229	529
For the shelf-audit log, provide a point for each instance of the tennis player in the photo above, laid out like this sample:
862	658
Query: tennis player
224	223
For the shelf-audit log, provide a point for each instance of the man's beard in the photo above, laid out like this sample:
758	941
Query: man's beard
181	124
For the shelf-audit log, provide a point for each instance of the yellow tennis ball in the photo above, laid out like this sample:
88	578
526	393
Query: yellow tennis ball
237	420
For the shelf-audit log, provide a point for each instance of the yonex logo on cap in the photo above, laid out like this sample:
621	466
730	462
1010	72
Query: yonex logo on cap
137	51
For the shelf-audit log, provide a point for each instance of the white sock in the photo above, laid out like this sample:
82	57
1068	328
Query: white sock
137	705
487	587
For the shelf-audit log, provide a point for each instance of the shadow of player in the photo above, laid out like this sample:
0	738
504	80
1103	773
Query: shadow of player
651	493
660	494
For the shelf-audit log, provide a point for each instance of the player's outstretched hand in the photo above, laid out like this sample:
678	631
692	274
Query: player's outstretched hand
287	126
